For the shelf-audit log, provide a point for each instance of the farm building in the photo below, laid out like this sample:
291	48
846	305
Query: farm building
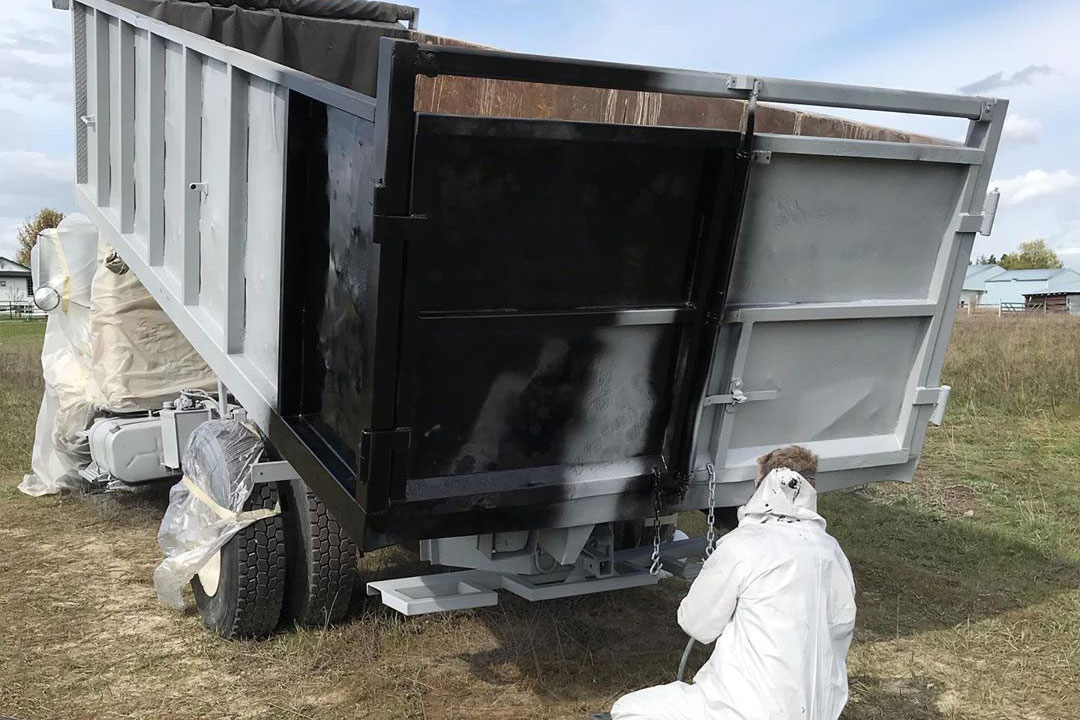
975	283
1012	285
1064	298
16	287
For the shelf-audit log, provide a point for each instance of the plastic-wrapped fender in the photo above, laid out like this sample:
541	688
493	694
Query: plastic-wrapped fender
206	508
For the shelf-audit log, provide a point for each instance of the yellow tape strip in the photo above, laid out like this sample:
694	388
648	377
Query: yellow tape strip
66	301
225	513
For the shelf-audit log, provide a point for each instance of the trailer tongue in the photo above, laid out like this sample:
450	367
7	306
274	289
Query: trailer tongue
514	337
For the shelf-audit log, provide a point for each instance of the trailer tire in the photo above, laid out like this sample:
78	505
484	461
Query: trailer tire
247	600
322	561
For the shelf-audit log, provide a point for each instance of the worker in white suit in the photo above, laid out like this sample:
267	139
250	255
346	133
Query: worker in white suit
778	598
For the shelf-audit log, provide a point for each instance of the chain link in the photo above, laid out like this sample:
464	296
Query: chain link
654	568
710	534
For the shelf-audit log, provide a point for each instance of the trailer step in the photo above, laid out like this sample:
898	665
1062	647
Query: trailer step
466	589
423	594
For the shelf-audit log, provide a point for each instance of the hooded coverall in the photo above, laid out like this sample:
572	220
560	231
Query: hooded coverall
778	598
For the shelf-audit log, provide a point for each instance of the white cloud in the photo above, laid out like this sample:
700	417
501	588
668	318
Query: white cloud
8	242
30	180
1035	184
1019	128
28	164
999	80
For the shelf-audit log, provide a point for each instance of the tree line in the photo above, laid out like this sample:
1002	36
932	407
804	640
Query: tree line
1031	255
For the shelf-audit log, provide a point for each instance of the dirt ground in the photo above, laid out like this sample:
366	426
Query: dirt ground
968	579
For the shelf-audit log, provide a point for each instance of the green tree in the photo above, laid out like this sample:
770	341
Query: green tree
987	260
1031	255
27	233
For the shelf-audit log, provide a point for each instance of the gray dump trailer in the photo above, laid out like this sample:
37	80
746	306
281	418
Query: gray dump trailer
521	310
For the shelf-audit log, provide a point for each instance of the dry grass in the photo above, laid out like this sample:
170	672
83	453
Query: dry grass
1021	365
961	616
20	391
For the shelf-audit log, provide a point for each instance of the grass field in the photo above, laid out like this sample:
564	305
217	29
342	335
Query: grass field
968	581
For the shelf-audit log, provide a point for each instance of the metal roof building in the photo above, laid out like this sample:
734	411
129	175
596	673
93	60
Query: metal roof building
1064	297
975	283
1012	285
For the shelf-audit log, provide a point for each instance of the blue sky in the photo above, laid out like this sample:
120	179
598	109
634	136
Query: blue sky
1027	52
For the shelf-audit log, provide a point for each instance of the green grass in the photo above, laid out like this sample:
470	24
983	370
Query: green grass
968	588
20	391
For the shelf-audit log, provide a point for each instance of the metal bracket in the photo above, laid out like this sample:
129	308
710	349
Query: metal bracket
273	471
741	82
939	397
762	157
987	110
982	223
427	63
970	223
736	395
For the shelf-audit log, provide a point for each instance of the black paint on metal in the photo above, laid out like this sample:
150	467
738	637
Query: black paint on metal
486	320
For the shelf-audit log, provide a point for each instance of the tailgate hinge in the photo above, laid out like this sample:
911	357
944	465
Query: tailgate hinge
938	397
382	464
982	223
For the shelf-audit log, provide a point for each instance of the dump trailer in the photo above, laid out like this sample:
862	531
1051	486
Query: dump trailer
519	309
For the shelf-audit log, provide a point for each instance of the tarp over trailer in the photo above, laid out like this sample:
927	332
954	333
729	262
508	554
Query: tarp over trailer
484	298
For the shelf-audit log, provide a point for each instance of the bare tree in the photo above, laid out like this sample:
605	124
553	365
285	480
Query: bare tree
14	296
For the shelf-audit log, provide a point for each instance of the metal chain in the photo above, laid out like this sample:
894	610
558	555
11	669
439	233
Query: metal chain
710	534
654	568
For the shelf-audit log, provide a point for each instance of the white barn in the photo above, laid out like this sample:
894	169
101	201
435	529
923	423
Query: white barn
16	285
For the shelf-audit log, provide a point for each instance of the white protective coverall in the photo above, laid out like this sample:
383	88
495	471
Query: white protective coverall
778	598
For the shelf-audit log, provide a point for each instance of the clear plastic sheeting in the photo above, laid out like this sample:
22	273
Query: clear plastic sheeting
139	358
63	262
206	508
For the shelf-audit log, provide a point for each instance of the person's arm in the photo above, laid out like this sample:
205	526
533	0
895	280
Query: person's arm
708	607
842	599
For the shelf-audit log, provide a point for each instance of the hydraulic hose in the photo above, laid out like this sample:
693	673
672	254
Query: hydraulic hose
685	659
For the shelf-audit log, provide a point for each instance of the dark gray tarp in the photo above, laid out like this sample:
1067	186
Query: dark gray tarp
336	40
341	9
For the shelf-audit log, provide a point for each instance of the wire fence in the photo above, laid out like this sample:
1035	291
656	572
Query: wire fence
14	309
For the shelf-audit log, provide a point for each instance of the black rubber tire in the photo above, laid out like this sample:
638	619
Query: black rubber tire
251	589
322	561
